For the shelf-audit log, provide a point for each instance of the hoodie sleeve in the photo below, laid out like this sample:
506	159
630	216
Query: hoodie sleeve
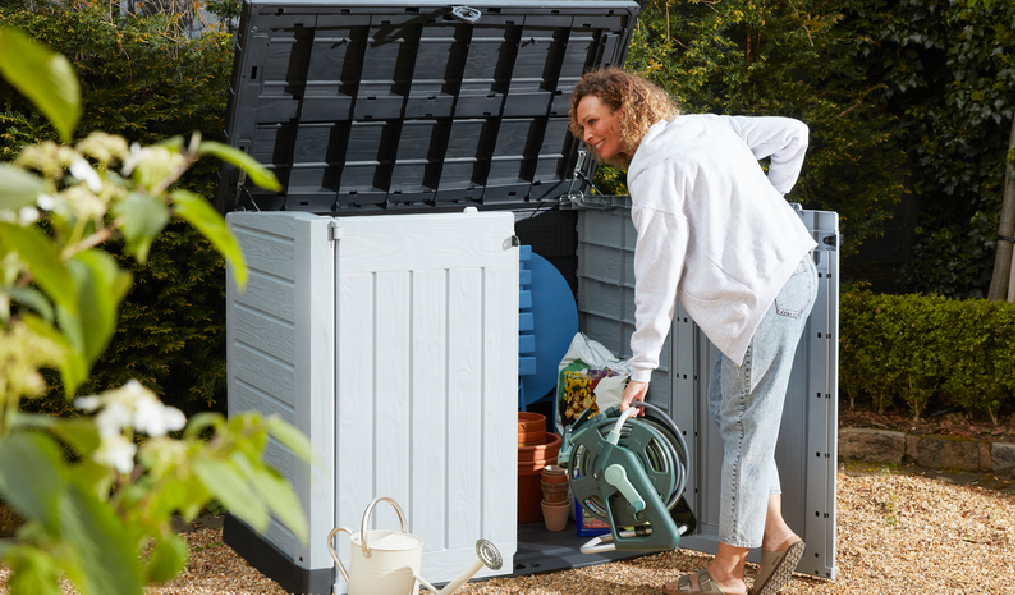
658	265
782	139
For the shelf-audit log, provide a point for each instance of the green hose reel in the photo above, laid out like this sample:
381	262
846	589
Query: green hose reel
630	477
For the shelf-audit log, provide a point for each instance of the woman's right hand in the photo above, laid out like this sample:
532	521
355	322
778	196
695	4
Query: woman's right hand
634	391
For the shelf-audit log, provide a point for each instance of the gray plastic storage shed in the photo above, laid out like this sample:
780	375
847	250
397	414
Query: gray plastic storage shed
381	319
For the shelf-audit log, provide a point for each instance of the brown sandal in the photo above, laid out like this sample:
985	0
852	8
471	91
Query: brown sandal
777	567
698	582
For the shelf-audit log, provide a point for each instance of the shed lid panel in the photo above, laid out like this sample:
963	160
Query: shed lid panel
367	108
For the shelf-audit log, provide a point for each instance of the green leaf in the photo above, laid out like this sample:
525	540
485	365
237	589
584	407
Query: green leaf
143	216
18	188
282	499
290	437
101	546
80	433
197	423
32	570
100	286
196	211
73	369
43	260
169	555
225	482
32	477
44	77
257	172
33	299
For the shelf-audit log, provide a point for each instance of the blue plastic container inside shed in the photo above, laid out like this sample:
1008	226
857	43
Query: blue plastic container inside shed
363	108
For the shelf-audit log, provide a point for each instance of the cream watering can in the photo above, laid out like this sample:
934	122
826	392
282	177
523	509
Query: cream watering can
388	562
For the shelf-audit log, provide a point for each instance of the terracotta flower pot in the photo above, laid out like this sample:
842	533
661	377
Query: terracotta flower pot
554	483
545	452
555	515
531	428
531	461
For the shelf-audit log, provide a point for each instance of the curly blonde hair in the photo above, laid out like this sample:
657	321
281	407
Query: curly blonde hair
643	105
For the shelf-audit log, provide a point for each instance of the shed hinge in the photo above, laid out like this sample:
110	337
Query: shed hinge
575	198
334	231
579	200
828	242
512	242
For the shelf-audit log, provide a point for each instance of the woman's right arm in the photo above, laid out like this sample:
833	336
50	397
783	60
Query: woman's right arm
782	139
658	264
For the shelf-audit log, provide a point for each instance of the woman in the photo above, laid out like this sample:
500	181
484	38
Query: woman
715	232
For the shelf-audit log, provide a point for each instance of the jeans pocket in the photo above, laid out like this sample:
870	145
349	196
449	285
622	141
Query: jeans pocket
795	296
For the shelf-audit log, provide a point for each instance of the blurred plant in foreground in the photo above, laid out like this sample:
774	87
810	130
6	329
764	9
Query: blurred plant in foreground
97	492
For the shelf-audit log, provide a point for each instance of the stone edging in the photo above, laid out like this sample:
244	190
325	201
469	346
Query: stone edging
951	453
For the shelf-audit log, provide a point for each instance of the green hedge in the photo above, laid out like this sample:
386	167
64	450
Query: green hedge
910	348
141	79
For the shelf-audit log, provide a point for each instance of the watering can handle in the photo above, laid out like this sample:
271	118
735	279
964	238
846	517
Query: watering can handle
334	555
366	517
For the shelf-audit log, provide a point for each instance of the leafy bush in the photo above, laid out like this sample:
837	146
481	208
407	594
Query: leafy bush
912	347
141	79
947	70
794	59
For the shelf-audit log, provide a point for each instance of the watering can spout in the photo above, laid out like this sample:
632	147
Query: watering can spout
487	555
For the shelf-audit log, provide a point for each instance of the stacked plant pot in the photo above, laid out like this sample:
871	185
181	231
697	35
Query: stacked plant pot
555	506
537	448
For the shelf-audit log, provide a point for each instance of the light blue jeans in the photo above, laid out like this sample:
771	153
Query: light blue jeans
747	401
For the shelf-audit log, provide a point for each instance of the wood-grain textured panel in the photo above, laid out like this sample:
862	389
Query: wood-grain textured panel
427	512
270	295
354	418
267	253
392	406
392	242
279	224
264	373
264	333
465	385
500	439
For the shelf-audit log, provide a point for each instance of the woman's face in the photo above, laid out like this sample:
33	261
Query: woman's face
601	126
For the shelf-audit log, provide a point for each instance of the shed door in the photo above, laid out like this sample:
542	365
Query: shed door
806	451
426	376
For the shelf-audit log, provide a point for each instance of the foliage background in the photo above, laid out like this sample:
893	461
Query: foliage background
143	79
906	100
907	351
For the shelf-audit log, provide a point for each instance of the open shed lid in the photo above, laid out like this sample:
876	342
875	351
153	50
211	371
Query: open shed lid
362	107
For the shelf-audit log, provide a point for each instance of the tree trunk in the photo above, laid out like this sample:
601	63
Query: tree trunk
999	280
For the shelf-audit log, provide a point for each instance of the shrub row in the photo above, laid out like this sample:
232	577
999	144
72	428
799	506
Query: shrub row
142	79
913	348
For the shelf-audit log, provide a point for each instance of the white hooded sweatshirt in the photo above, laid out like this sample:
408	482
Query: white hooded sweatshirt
713	230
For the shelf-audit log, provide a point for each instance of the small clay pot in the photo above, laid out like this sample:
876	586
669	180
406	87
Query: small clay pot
554	483
555	514
531	429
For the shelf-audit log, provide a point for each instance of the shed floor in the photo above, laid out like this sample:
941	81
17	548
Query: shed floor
540	550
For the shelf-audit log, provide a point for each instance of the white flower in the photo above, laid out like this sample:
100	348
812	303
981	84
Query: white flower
130	406
28	215
84	202
81	170
89	403
46	202
113	418
156	419
132	159
117	452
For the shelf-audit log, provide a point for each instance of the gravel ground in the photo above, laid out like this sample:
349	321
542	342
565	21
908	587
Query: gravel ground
897	533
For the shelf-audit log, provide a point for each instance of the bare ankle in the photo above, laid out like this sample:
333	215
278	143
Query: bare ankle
774	539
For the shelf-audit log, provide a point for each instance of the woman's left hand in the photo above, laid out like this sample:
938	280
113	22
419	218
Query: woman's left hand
634	391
